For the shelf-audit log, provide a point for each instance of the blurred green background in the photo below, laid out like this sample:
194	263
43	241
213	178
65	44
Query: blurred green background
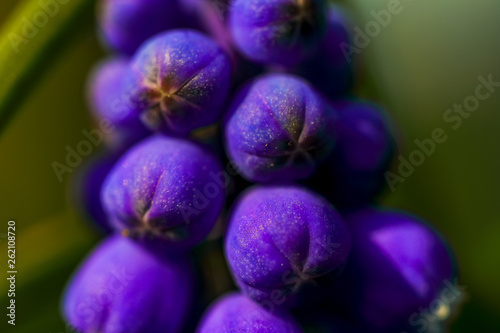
427	59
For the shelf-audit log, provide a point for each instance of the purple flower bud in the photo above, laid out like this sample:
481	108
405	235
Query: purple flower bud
112	107
398	264
281	238
330	69
278	128
87	186
363	153
237	313
125	24
365	140
165	189
179	81
123	288
278	32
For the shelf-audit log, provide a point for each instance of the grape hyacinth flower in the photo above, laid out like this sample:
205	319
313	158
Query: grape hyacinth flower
179	81
364	151
278	129
237	313
166	189
126	24
398	266
308	257
85	190
277	32
329	69
123	288
280	238
111	105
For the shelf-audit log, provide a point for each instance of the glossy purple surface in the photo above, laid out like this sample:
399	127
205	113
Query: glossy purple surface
165	189
397	264
237	313
122	288
331	68
179	80
125	24
278	129
365	137
354	174
109	103
277	32
281	238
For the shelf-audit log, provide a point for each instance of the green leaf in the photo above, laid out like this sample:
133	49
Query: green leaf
30	41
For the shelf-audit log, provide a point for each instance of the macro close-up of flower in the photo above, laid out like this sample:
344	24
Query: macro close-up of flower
249	166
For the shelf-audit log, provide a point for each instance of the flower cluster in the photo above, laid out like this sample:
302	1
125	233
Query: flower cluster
262	87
